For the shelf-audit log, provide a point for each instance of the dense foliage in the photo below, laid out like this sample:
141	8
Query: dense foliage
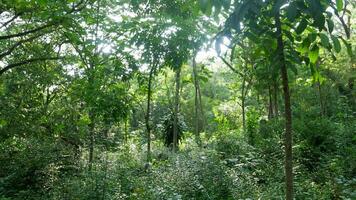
177	99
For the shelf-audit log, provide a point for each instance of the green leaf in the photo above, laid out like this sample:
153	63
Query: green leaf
205	6
301	26
42	2
339	5
319	21
203	78
336	42
277	5
313	54
330	25
312	69
348	47
293	68
312	37
292	11
317	77
251	36
304	47
324	40
2	123
289	36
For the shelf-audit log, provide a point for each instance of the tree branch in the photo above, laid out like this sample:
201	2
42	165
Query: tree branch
230	66
12	19
342	21
12	48
4	37
13	65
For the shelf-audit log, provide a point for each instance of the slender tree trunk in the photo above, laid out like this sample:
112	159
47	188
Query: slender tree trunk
319	95
92	120
126	130
196	120
243	97
197	115
270	103
287	112
321	103
176	111
105	176
202	115
91	140
91	80
275	98
347	29
148	113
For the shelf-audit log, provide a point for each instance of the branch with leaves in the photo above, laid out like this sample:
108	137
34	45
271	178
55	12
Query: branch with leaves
28	61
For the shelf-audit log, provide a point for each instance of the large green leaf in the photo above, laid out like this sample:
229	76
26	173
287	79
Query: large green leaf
301	26
293	68
316	76
339	5
205	6
277	5
313	54
304	47
330	25
292	11
336	42
312	37
348	47
324	40
319	21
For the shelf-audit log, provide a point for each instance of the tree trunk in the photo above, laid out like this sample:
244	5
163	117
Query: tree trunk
91	80
91	144
92	120
275	98
243	96
287	111
126	130
176	111
197	115
347	29
148	112
319	95
202	115
270	103
321	103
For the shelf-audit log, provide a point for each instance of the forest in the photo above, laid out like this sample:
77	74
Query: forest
177	99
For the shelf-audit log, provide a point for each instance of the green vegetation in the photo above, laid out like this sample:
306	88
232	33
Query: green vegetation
177	99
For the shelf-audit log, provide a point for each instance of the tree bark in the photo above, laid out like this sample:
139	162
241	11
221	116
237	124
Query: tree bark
91	79
270	103
197	96
91	125
243	97
28	61
176	111
321	102
287	111
202	115
347	29
148	112
275	98
126	130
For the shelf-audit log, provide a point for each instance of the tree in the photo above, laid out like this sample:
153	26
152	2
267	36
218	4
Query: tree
22	27
266	14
